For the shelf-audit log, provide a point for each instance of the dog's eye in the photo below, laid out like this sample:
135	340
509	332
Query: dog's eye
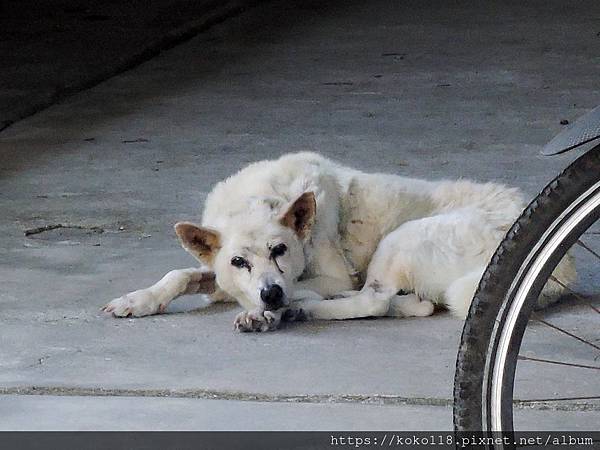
239	262
278	250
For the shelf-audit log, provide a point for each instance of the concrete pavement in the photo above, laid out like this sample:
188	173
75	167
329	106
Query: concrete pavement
430	90
115	413
51	49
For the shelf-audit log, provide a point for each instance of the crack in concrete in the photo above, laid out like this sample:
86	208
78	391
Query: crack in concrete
207	394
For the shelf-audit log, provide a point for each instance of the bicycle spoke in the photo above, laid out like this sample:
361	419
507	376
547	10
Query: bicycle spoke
571	291
557	399
559	329
581	244
560	363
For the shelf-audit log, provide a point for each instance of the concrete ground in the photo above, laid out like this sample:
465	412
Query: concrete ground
53	48
425	89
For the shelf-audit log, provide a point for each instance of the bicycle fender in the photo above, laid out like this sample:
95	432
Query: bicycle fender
583	130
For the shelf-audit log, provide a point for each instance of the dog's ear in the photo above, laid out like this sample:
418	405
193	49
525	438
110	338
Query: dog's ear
202	243
300	215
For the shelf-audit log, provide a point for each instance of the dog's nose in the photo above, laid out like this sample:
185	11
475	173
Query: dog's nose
272	295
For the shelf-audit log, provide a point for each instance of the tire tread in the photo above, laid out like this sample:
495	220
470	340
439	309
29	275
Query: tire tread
497	278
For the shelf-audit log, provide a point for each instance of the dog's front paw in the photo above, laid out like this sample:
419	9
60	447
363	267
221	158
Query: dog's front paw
257	321
138	303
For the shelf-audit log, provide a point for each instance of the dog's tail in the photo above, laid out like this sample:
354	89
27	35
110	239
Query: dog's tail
459	294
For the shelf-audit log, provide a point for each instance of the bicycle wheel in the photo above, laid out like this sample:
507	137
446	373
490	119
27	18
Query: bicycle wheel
561	219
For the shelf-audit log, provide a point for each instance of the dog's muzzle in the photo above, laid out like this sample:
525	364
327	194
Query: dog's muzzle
273	297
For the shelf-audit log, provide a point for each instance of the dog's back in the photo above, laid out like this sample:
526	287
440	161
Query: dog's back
266	187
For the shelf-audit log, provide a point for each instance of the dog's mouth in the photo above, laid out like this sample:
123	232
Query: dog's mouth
274	306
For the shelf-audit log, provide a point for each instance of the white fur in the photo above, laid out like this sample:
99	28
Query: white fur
378	233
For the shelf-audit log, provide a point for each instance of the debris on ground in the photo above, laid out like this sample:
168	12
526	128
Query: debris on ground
56	226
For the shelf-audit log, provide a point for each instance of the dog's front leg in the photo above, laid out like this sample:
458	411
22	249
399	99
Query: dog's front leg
373	300
157	297
260	320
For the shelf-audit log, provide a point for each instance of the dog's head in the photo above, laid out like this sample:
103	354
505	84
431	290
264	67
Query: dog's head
257	257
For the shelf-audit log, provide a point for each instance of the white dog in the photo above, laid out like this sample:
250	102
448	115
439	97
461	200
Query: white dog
288	238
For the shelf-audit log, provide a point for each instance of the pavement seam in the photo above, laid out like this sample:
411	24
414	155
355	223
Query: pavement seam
206	394
225	395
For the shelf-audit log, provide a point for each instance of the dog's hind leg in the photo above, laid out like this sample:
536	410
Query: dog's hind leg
409	305
157	297
392	269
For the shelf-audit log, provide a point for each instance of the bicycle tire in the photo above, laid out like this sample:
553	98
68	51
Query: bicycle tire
491	303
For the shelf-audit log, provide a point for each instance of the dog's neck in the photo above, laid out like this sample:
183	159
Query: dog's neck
310	270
